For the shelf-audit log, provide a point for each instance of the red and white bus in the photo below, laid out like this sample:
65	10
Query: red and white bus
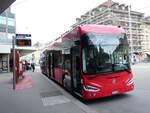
91	61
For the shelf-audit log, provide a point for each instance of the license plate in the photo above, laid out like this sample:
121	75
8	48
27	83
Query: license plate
115	92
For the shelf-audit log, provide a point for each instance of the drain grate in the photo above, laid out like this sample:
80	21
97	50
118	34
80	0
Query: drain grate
49	101
50	94
53	98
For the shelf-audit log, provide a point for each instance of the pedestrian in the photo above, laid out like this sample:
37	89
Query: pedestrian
26	65
33	66
134	60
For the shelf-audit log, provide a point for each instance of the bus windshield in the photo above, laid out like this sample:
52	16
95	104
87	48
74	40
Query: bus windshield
104	53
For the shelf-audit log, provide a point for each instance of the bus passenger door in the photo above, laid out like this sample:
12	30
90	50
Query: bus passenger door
49	65
75	52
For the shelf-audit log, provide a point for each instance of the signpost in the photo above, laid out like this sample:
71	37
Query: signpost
23	35
14	62
19	40
23	42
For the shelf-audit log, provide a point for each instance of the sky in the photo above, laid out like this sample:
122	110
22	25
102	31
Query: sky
46	20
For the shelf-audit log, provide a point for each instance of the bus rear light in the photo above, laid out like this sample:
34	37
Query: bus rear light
130	82
90	88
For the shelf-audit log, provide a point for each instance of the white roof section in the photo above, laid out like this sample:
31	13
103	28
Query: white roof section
5	49
25	50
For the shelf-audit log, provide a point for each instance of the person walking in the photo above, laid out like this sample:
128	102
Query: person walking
33	67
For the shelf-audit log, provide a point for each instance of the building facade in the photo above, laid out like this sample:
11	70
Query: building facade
146	33
7	30
113	13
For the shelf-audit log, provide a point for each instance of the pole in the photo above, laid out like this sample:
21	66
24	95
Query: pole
14	62
8	63
7	23
14	58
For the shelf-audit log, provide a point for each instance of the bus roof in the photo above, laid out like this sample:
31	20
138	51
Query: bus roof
103	29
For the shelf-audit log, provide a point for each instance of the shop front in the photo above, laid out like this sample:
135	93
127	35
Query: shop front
5	57
4	62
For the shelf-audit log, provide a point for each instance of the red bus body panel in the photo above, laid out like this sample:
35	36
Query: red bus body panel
105	82
107	86
101	29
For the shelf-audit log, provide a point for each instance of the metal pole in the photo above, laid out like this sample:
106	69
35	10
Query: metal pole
8	64
7	23
14	62
14	57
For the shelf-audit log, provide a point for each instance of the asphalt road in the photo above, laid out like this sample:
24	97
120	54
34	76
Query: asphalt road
137	101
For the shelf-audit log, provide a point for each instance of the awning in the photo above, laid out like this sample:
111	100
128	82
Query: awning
25	50
4	4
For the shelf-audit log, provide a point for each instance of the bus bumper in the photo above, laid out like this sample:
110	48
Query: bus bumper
87	95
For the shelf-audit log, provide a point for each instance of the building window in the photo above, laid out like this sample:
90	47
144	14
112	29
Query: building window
2	20
3	63
11	22
2	29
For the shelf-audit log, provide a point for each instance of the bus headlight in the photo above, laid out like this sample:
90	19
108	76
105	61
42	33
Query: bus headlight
90	88
130	82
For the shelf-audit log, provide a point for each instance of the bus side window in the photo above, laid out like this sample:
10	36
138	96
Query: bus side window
67	61
58	59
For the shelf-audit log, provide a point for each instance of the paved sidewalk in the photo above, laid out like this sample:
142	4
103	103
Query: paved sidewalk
43	97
